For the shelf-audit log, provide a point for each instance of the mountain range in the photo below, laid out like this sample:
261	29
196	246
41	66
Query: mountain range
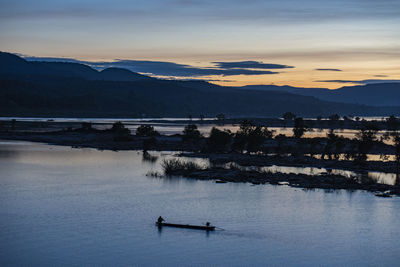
379	94
59	89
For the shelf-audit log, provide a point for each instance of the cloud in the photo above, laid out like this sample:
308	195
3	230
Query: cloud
175	69
163	68
328	69
250	65
368	81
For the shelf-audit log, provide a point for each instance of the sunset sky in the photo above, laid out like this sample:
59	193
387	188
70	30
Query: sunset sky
311	43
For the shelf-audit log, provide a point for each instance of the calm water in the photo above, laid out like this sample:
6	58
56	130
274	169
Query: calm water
63	206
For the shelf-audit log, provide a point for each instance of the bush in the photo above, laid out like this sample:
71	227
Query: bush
146	130
171	166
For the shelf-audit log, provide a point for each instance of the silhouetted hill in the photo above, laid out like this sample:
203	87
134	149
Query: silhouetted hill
14	66
76	90
379	94
118	74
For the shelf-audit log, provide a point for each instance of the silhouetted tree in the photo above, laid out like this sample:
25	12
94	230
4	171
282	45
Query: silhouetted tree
190	133
365	139
335	145
239	142
117	126
392	123
299	128
288	116
219	141
334	117
250	137
146	130
121	133
257	137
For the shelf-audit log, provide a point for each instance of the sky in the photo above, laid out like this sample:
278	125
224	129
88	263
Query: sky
309	43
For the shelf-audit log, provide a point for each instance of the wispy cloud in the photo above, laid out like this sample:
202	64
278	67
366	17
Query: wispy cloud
250	65
328	69
368	81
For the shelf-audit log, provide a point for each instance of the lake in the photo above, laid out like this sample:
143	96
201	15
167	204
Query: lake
65	206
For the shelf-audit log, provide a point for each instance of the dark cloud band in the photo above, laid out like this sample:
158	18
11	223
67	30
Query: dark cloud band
250	65
162	68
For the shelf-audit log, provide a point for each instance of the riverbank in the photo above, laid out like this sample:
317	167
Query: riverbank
232	174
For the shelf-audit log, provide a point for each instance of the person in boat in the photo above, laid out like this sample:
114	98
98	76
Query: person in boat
160	220
208	224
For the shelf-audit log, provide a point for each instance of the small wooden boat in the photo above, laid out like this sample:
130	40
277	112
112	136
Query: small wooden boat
188	226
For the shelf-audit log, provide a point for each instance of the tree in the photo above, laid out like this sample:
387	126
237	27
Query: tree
334	146
239	142
121	133
250	137
117	126
257	137
191	133
219	141
146	130
365	139
288	116
392	123
334	117
299	128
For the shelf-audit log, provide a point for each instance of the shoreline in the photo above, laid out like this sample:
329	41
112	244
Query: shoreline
326	182
106	140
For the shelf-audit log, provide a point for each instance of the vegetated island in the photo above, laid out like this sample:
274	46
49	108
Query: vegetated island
252	145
